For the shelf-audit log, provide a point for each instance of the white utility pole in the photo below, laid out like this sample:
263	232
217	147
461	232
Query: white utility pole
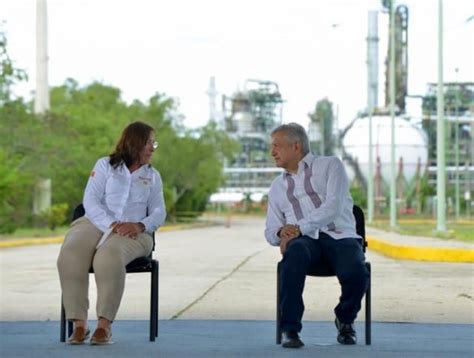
440	140
42	88
393	204
42	193
212	93
372	102
457	206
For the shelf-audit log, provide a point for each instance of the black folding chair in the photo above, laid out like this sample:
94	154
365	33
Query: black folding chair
360	228
140	264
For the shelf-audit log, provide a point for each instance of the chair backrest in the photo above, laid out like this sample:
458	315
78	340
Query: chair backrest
360	229
360	224
79	212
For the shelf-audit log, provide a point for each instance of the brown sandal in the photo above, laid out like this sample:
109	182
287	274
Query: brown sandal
78	336
101	336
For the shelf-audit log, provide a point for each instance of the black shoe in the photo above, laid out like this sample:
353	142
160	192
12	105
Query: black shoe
291	339
346	333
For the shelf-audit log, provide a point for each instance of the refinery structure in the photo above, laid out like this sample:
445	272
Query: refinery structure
249	116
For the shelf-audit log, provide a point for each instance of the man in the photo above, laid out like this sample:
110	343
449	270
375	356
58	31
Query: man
310	217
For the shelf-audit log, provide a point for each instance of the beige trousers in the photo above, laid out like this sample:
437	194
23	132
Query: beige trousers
78	253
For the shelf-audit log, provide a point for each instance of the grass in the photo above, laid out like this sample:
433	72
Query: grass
462	231
21	233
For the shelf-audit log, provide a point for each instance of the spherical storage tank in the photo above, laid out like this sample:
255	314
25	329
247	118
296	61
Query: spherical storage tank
410	144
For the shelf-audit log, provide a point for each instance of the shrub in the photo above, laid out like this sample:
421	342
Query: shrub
55	215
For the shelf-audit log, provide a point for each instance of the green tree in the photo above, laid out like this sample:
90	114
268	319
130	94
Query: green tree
225	146
83	125
55	215
358	196
192	171
18	144
12	201
191	166
9	74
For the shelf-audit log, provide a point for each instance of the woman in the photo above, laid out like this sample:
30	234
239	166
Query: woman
124	194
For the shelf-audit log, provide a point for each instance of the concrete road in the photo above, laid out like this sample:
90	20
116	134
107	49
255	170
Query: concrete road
229	274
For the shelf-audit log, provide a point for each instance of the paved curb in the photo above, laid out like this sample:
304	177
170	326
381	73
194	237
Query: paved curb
419	253
27	242
432	221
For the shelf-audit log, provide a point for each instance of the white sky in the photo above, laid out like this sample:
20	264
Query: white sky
174	46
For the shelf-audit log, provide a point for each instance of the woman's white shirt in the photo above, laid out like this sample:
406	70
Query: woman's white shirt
116	195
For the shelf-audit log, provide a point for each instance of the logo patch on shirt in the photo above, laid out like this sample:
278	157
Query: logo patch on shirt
145	180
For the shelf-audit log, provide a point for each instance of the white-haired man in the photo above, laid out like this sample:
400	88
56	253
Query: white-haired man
310	218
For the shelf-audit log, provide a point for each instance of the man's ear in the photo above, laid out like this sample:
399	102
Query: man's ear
297	146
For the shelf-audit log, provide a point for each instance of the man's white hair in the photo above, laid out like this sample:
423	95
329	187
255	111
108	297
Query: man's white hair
294	133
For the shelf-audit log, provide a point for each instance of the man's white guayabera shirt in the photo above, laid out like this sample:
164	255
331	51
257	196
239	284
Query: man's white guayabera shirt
316	198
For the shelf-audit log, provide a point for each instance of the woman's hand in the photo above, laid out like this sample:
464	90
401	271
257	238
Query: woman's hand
129	229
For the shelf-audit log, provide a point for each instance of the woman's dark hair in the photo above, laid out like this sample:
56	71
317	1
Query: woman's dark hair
134	138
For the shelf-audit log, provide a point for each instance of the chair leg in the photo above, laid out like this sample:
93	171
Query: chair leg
153	302
63	324
152	310
157	296
278	312
368	308
69	328
62	333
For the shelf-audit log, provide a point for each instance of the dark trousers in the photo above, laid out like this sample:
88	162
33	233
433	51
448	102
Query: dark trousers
305	255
